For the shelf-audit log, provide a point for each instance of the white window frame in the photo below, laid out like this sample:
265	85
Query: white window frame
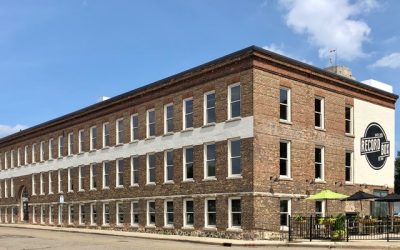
51	208
1	190
104	175
288	105
33	215
106	135
81	179
148	124
148	169
206	212
5	188
230	157
117	210
5	160
119	135
93	136
70	217
81	140
41	186
50	182
92	208
322	113
166	166
166	106
70	180
206	160
206	108
133	174
11	187
60	146
351	166
70	143
184	164
117	173
323	206
230	215
59	180
288	159
322	163
185	126
26	155
33	185
18	157
41	156
166	224
132	128
351	120
95	165
230	101
134	224
51	149
288	213
12	158
33	153
60	214
148	224
41	214
81	222
185	224
104	214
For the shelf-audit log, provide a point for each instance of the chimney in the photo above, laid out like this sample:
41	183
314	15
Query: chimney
103	98
341	70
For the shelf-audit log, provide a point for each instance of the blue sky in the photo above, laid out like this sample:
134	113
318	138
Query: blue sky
59	56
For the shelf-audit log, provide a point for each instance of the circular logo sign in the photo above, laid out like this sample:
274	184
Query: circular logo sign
375	146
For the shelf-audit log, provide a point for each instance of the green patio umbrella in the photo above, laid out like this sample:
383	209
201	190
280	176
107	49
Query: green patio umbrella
327	195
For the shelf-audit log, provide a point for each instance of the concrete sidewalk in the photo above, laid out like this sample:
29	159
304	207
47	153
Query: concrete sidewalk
365	244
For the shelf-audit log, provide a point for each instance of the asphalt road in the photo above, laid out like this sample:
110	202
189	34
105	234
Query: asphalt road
19	238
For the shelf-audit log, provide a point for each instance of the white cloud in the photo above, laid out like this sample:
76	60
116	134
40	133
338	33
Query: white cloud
390	61
8	130
279	50
331	24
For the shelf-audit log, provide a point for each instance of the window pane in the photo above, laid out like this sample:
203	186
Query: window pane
236	166
283	167
317	120
210	115
283	112
284	206
235	109
235	148
236	206
283	96
348	159
318	155
283	150
235	93
317	105
348	113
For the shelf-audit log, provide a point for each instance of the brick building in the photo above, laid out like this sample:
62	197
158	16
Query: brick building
226	149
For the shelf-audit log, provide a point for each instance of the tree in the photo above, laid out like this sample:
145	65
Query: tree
397	174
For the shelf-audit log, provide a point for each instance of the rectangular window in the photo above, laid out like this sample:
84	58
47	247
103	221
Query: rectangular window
319	209
119	128
59	175
134	170
169	213
168	118
210	213
151	213
284	101
34	153
81	141
93	138
5	188
51	149
12	187
209	160
93	176
188	113
50	182
12	158
70	143
51	214
349	120
106	174
26	155
120	173
81	178
135	213
119	213
234	158
235	213
284	158
151	123
93	214
42	184
284	213
1	190
60	214
106	214
5	160
34	214
42	151
33	185
349	167
234	101
188	154
106	135
42	214
169	166
188	213
134	127
319	163
18	157
71	214
319	112
209	107
60	146
151	169
70	180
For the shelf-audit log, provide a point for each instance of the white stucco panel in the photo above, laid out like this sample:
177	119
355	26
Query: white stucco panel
366	113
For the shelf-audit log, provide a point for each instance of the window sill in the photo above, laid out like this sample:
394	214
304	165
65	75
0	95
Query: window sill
106	188
134	225
105	148
285	178
188	181
119	187
92	150
134	185
134	141
349	183
187	228
93	189
350	135
284	228
81	190
50	160
234	119
211	124
169	227
70	192
105	225
210	229
234	177
210	179
319	181
169	183
119	145
187	130
234	229
150	138
320	129
80	153
50	193
150	226
70	156
151	184
168	134
285	122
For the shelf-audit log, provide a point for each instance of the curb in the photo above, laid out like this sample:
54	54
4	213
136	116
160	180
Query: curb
227	242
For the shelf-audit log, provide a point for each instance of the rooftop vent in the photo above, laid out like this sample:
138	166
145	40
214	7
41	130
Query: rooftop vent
341	70
103	98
